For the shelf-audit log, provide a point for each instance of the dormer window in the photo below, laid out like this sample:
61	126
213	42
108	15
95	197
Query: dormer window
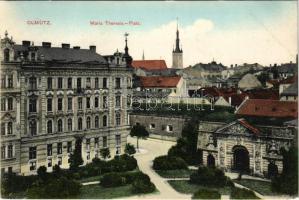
32	56
6	55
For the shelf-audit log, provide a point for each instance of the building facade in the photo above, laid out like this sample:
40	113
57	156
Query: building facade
53	96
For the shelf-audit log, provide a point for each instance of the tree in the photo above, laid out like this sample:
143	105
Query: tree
130	149
42	173
76	157
140	132
105	153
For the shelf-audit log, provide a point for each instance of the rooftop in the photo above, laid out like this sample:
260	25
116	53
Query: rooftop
159	81
149	64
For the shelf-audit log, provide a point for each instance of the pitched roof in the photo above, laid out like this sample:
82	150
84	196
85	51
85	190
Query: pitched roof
268	108
292	90
58	54
242	122
149	64
250	127
159	81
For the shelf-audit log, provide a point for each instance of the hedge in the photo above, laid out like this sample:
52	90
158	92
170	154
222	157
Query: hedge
242	193
169	163
206	194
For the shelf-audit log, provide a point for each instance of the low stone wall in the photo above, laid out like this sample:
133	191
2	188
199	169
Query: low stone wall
160	127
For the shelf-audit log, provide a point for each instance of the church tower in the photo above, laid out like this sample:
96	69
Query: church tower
177	53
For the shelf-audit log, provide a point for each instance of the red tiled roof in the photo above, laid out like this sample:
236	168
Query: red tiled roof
160	81
263	94
250	127
149	64
269	108
289	80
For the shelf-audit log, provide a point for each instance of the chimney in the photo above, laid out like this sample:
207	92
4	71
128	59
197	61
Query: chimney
275	65
231	66
26	43
76	47
65	46
92	48
236	65
46	44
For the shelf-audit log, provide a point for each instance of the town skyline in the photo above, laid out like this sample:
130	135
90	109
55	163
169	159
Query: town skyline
230	33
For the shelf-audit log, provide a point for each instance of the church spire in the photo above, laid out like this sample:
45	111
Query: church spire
177	41
126	47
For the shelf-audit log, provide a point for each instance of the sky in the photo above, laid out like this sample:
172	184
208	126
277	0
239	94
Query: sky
230	32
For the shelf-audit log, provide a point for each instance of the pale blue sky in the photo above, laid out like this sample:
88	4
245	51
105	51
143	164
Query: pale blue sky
229	31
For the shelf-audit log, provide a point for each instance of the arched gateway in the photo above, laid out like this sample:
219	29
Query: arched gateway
241	158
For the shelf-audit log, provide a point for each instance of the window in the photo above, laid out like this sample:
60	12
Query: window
80	103
49	83
69	103
69	83
87	144
32	83
104	120
117	119
96	142
49	126
9	170
59	161
105	141
69	147
3	149
117	101
32	56
32	153
3	81
117	82
78	83
60	81
3	104
96	83
59	104
169	128
104	82
9	128
80	123
88	122
59	148
50	162
10	151
88	82
49	105
32	127
88	156
105	102
32	166
10	104
32	105
3	130
69	124
10	81
117	140
96	122
49	149
152	126
59	124
87	102
6	55
96	102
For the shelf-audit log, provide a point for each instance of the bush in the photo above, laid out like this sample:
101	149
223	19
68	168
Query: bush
130	149
123	163
112	180
242	193
206	194
210	177
169	163
142	184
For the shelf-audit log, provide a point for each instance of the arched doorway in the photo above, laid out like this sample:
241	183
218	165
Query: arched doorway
211	160
241	159
272	170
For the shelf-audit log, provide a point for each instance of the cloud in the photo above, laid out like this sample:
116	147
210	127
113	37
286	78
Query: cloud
202	40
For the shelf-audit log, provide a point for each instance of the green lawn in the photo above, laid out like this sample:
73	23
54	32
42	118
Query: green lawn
179	173
90	179
262	187
183	186
98	192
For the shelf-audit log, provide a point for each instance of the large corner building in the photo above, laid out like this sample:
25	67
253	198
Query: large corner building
53	96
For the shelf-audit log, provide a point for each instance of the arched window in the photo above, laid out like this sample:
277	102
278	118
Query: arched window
6	55
117	119
3	130
49	126
59	126
96	122
32	127
32	83
80	124
9	128
104	120
69	124
88	122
